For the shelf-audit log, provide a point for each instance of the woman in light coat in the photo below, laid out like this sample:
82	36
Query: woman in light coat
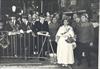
65	55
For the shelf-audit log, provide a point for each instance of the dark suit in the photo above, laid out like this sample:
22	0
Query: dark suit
34	38
84	37
8	27
25	39
41	27
12	38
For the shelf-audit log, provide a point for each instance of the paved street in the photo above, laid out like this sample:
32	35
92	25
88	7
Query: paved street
36	64
47	64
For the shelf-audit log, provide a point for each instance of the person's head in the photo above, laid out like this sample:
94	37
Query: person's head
42	19
24	19
84	18
75	16
77	19
48	18
13	8
65	22
29	17
52	16
57	16
37	14
86	15
64	16
34	17
54	20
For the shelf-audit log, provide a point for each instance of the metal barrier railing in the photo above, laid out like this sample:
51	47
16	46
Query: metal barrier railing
23	45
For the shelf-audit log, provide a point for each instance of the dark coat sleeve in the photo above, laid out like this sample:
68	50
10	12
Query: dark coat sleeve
46	26
37	26
91	28
23	27
8	27
33	28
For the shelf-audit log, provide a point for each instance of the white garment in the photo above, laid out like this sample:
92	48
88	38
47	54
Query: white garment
65	53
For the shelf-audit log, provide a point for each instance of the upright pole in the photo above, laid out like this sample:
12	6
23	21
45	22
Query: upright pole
41	6
99	44
24	6
0	10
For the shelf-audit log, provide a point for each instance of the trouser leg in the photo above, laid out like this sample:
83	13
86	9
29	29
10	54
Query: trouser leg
79	52
54	46
88	53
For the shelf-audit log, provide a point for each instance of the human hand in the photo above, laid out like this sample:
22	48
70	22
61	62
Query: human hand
33	34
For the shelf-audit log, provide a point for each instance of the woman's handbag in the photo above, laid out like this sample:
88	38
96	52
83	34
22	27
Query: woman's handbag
70	40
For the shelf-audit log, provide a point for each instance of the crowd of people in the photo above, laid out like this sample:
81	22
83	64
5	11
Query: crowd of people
70	35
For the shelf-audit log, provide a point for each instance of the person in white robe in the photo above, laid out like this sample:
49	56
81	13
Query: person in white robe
65	54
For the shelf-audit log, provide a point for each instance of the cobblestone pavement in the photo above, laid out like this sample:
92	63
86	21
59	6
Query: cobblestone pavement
36	64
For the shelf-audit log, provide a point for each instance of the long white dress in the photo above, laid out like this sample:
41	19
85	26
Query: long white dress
65	53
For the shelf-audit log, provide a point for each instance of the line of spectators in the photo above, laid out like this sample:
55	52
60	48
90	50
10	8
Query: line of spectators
76	26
